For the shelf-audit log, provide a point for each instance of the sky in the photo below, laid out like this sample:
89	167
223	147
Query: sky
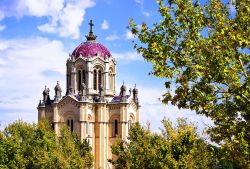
37	36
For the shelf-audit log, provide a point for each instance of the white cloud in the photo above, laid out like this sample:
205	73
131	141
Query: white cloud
64	17
140	2
2	27
129	35
26	66
39	8
127	56
112	37
147	14
105	25
153	111
3	45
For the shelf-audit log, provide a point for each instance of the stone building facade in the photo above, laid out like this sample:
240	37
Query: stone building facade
90	106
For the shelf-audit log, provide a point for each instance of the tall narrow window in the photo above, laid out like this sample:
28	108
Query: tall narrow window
71	127
79	80
99	77
115	127
95	80
70	124
53	126
83	77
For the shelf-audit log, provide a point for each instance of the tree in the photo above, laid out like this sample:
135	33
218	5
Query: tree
24	145
175	147
203	53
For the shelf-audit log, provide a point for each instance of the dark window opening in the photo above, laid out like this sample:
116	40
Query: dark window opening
116	127
79	80
99	77
83	77
70	124
95	79
71	127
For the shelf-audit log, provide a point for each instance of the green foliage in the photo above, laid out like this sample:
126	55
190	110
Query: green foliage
24	145
203	52
176	147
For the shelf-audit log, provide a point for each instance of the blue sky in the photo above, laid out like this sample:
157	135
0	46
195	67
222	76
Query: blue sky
36	37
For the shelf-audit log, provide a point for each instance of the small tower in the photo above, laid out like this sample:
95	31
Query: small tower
123	92
135	94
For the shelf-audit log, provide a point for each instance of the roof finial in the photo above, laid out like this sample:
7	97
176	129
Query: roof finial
91	25
91	36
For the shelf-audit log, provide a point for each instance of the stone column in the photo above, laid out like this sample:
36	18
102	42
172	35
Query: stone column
101	142
55	118
68	73
83	119
41	113
89	80
73	79
106	77
124	120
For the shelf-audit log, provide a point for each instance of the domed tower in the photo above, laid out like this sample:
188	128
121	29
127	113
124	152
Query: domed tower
90	106
91	65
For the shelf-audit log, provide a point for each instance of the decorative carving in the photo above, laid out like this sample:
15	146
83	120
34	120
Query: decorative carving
46	97
133	104
114	107
68	100
58	92
83	92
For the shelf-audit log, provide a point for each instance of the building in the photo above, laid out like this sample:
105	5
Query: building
90	106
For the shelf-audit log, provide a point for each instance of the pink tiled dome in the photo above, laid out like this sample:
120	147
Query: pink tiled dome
91	48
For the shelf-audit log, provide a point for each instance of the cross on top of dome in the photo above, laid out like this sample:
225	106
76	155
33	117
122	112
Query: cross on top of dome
91	36
91	25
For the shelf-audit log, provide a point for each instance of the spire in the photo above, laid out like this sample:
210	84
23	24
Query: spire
91	36
123	90
135	94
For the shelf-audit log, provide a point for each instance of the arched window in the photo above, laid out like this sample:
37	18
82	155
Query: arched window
115	127
79	80
97	81
70	124
99	77
83	77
